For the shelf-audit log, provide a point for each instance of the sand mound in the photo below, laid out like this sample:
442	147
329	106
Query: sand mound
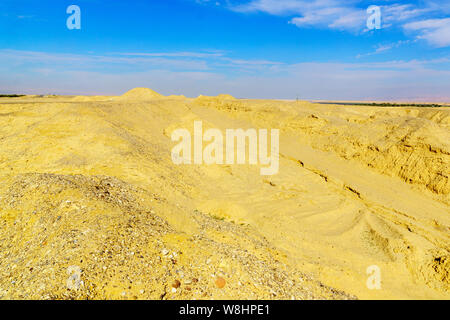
226	97
142	94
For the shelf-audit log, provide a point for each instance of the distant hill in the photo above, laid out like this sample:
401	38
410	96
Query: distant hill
142	94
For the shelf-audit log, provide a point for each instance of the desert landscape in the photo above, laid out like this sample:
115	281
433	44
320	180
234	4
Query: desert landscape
92	206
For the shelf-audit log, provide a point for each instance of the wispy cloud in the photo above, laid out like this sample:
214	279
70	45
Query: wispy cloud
382	48
175	54
435	31
95	62
25	16
399	13
350	15
320	13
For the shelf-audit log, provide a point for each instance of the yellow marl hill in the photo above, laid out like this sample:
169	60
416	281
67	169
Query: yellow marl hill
91	205
141	94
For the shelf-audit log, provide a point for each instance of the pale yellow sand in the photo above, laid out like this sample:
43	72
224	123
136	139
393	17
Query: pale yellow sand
89	182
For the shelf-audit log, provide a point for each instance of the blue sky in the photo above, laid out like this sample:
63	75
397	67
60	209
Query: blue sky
316	49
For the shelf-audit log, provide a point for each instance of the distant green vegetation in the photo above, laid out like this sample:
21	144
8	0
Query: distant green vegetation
385	104
402	105
11	95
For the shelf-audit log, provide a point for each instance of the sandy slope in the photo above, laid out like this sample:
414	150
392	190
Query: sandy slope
89	191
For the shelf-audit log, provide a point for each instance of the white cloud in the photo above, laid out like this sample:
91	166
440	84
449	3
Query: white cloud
183	54
381	48
134	61
397	13
350	15
177	60
435	31
342	15
275	7
322	13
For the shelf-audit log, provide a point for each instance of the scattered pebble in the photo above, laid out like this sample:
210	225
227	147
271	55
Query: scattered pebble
220	282
176	284
74	281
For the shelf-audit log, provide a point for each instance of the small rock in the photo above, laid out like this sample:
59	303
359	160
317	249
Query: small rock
74	281
220	282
